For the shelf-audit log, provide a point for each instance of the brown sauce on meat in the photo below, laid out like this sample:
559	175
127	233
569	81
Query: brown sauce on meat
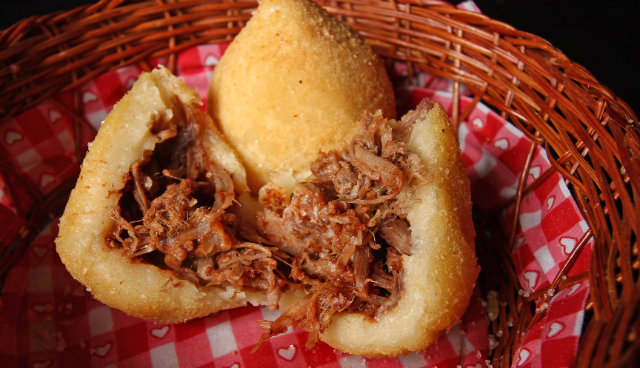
346	229
341	237
174	212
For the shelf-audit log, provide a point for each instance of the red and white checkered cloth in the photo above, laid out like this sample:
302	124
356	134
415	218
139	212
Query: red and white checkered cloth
47	319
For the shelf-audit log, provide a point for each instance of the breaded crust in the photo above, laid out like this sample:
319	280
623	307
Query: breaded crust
440	275
293	82
139	289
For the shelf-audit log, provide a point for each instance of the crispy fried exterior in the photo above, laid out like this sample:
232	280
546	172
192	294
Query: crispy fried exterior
440	274
137	288
293	82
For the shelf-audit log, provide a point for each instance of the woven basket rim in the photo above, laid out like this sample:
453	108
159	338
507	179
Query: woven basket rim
592	137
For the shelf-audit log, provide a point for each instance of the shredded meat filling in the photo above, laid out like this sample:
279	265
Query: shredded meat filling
173	213
346	229
341	237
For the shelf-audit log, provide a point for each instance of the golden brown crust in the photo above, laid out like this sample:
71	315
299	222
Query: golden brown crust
138	289
293	82
438	277
440	274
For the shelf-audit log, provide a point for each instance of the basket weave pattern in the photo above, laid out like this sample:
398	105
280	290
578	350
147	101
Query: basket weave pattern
592	138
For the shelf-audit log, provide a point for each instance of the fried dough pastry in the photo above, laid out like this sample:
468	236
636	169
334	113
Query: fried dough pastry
294	81
439	275
149	113
374	255
370	245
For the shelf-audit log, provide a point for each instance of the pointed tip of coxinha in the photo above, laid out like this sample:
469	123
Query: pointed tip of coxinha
293	82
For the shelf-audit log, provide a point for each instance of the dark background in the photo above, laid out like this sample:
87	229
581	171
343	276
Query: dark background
602	36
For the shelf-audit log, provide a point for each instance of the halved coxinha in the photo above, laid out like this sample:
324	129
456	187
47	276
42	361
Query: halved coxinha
374	255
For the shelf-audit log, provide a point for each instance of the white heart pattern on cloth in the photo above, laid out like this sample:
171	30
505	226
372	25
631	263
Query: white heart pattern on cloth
160	332
503	144
288	353
569	244
550	201
88	97
211	60
12	137
524	355
40	251
554	329
103	350
478	123
54	115
532	278
535	172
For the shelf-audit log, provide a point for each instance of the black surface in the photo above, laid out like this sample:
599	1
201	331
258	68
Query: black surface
602	36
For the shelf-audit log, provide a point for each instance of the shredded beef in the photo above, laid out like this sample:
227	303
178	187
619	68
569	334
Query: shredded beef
173	213
398	235
345	229
341	237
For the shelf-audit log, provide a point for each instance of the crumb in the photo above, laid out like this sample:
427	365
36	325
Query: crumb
543	307
492	342
493	309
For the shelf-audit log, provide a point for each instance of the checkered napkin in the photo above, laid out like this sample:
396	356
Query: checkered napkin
47	319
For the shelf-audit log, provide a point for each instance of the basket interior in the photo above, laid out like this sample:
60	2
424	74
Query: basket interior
591	138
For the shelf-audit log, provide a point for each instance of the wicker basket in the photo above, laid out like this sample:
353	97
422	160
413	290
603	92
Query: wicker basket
591	137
